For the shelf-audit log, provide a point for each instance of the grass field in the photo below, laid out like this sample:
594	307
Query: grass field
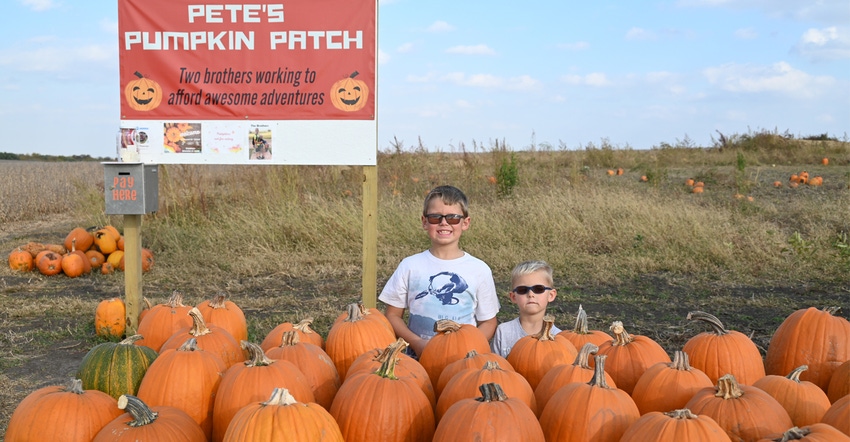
284	242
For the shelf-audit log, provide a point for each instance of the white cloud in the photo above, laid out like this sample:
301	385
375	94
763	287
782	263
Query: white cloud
383	57
405	48
596	79
481	49
778	77
746	34
823	11
484	81
831	43
57	58
440	26
576	46
39	5
640	34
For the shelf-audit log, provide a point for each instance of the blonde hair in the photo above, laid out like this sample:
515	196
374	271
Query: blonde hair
450	196
529	267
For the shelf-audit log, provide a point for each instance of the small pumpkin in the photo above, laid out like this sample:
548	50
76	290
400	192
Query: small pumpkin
350	94
21	260
116	368
777	184
48	262
110	318
95	259
79	238
105	242
74	265
142	94
804	401
825	161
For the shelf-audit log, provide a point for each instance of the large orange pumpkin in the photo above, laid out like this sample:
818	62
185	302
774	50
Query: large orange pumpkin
804	401
162	320
48	262
317	366
811	337
354	336
140	423
675	426
142	94
629	356
838	415
664	387
349	94
492	416
534	355
279	417
79	238
722	351
563	374
209	337
839	383
61	413
817	432
581	334
465	384
406	367
451	343
305	333
225	314
473	359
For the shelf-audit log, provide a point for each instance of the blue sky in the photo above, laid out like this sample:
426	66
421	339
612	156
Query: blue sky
456	73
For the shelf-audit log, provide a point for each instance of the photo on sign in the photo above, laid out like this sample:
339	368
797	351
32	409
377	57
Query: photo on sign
182	137
260	140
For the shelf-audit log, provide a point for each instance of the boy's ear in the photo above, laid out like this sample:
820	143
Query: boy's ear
512	295
552	294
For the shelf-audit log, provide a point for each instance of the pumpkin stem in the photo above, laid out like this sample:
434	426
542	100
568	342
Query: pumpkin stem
546	331
491	392
191	344
256	356
355	312
75	386
387	369
219	301
681	361
354	74
289	338
304	325
471	354
140	412
583	356
176	300
281	396
598	379
129	340
385	353
491	365
147	302
832	310
795	374
199	327
138	74
795	433
728	388
681	414
712	320
581	322
446	326
621	336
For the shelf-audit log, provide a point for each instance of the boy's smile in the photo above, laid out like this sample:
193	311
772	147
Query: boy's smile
444	233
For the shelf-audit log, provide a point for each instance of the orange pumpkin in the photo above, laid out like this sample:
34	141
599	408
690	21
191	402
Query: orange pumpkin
210	338
142	94
675	426
817	432
406	367
610	172
563	374
580	334
276	418
689	182
73	264
629	356
354	336
698	189
163	320
95	259
225	314
664	387
804	401
21	260
465	385
534	355
105	242
110	318
451	343
492	416
305	333
473	359
49	263
141	422
349	94
839	382
723	351
318	368
777	184
79	238
838	415
825	161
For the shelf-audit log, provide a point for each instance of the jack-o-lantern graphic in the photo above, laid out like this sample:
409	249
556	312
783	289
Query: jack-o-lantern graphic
349	94
143	94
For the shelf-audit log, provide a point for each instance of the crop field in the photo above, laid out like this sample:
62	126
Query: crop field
284	242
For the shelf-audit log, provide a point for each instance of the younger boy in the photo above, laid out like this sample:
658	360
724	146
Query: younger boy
443	282
532	292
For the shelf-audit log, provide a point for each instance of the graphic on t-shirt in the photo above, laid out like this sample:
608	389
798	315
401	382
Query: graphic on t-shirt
448	284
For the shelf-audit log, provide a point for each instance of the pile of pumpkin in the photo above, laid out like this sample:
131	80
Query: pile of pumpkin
82	251
695	186
801	178
191	374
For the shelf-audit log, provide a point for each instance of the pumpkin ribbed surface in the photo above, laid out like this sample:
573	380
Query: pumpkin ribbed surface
116	368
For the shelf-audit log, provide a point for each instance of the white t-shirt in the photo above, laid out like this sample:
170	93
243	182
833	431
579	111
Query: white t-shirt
461	290
508	333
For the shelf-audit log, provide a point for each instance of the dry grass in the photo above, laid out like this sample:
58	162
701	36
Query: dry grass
285	242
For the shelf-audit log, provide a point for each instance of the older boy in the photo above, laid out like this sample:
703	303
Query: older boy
532	292
443	282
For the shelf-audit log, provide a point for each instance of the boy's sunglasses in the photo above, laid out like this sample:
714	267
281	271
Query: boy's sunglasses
537	289
434	218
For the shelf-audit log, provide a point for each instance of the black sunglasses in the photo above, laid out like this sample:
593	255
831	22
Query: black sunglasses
435	218
537	289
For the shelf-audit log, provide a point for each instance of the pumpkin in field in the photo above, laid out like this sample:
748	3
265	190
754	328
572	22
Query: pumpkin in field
689	182
812	337
353	336
95	258
722	351
451	343
370	314
21	260
106	268
253	381
492	416
74	263
381	406
534	355
473	359
162	320
817	432
116	260
838	415
804	401
349	94
276	419
210	337
79	238
839	383
563	374
225	314
465	384
629	356
144	423
110	318
116	368
186	378
305	333
664	387
147	259
61	413
142	94
48	263
777	184
610	172
318	368
105	242
581	334
698	189
744	411
825	161
406	367
675	426
593	411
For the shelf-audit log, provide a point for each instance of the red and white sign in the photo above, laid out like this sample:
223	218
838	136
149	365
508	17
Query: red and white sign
291	82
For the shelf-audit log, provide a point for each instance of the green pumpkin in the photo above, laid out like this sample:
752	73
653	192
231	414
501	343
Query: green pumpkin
116	368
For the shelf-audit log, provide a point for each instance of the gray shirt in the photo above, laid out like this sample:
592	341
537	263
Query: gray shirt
507	334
